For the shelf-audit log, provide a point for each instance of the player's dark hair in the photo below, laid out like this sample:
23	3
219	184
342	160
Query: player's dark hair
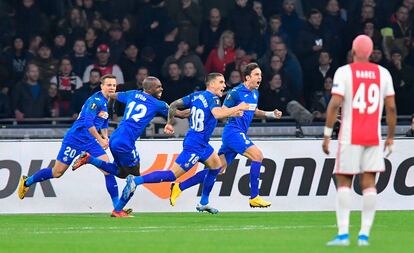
149	82
210	77
249	68
107	76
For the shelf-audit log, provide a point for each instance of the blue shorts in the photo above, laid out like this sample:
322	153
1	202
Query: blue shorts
123	158
69	150
234	143
191	155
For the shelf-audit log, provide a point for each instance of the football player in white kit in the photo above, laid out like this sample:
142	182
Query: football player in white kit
361	89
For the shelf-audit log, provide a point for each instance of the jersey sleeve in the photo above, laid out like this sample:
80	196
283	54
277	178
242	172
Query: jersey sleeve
231	99
338	86
213	102
123	96
105	124
163	108
187	100
91	111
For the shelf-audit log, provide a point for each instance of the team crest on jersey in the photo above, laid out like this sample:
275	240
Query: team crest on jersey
103	114
65	159
93	106
187	165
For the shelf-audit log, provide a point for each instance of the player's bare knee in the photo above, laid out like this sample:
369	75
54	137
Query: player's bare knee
57	173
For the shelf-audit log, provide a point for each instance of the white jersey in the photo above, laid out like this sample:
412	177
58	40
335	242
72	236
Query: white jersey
363	86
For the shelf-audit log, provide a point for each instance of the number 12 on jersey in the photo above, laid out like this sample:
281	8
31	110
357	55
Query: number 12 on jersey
366	100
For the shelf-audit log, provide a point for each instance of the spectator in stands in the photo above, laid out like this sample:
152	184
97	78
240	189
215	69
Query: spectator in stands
210	33
235	78
91	41
47	64
291	23
258	9
311	41
129	62
172	84
410	132
34	43
223	55
402	30
82	94
369	28
67	83
54	100
103	64
155	23
243	21
377	57
182	55
117	43
30	98
5	110
79	57
149	59
90	10
240	56
336	26
292	68
320	99
136	84
130	32
60	46
74	24
190	81
274	94
318	74
188	20
16	58
30	20
275	28
403	80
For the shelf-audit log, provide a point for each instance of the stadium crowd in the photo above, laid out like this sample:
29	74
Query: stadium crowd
53	52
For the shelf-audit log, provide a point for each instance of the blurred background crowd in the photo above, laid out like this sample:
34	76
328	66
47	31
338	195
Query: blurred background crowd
53	52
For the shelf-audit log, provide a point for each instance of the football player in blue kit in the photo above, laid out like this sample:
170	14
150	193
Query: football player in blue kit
83	135
141	108
205	109
235	139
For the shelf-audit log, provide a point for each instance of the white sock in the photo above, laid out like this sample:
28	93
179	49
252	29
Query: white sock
343	209
369	200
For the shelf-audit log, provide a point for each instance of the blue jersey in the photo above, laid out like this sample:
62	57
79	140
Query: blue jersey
202	121
140	109
237	95
94	113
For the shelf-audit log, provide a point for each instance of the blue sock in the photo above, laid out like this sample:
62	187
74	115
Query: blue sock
196	179
156	177
208	184
112	188
39	176
122	202
108	167
254	178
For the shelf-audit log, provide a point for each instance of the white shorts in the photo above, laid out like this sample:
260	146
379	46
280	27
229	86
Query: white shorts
356	159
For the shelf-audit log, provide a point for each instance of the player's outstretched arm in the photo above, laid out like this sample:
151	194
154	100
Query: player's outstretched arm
225	112
331	113
391	117
182	114
276	114
172	112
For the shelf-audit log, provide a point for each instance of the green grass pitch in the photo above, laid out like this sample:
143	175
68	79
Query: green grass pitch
288	232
